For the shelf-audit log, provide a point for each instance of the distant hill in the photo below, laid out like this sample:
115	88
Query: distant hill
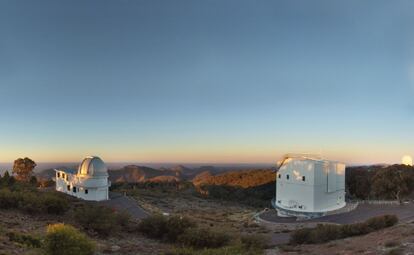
243	179
46	174
133	174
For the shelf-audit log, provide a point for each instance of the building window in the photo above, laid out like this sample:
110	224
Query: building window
287	177
74	189
68	187
303	178
86	191
300	207
58	175
279	176
63	175
279	201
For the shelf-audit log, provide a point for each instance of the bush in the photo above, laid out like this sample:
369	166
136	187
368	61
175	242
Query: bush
228	250
33	202
300	236
26	240
8	199
355	229
381	222
100	219
203	238
163	228
176	226
325	233
66	240
153	226
54	204
253	242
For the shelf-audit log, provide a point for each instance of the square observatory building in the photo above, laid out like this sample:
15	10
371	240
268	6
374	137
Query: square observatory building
308	186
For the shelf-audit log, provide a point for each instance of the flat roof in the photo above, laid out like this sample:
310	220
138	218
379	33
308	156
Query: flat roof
67	170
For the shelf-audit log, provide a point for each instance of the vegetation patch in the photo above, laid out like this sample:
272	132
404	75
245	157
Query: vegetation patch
26	240
203	238
166	229
100	219
228	250
66	240
326	232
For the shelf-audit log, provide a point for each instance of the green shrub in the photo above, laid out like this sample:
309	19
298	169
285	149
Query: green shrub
355	229
164	228
300	236
203	238
66	240
31	203
54	204
27	240
228	250
8	199
381	222
154	226
176	226
253	242
100	219
325	233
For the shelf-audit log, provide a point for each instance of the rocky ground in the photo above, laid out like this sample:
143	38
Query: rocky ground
123	243
230	217
226	216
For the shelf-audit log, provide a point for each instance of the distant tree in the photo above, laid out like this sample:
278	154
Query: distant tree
5	180
358	182
394	182
23	169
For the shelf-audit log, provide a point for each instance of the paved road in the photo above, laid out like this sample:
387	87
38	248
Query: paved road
124	203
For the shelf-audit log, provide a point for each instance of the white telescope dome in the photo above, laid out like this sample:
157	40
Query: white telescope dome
93	166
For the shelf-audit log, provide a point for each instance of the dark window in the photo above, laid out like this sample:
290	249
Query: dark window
63	175
74	189
279	201
279	176
300	207
303	178
58	175
86	191
68	187
287	176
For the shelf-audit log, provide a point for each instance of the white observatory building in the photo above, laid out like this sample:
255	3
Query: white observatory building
89	182
308	186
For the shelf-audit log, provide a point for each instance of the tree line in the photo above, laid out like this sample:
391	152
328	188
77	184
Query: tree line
394	182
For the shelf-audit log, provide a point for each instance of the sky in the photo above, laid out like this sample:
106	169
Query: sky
214	81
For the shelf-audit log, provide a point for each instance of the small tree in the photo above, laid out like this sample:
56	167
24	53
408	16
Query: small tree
23	169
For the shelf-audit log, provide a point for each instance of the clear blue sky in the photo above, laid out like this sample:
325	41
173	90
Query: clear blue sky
206	81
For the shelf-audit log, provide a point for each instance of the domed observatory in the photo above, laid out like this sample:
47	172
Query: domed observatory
308	186
89	182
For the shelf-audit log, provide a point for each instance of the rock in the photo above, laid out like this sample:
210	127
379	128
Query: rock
115	248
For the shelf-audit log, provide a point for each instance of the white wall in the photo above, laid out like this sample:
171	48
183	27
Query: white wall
323	189
94	193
